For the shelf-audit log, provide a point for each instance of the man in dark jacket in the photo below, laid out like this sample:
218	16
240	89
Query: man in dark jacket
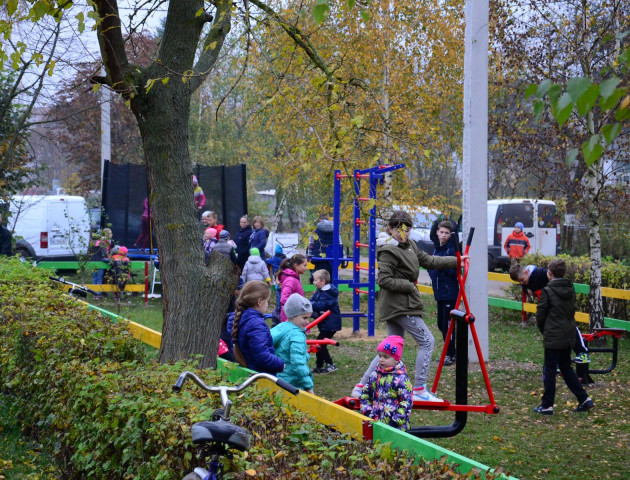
554	316
5	239
318	243
444	282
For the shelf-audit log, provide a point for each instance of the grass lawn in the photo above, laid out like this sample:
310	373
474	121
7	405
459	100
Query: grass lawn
527	445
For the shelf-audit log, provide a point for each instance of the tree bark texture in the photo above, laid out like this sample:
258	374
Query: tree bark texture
594	181
195	296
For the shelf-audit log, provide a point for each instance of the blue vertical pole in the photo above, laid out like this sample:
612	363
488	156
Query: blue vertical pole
336	253
356	259
372	256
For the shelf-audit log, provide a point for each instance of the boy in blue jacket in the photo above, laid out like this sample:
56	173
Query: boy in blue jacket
289	342
445	286
325	298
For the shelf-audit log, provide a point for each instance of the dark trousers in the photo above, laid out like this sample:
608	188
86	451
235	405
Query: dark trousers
561	359
444	308
322	356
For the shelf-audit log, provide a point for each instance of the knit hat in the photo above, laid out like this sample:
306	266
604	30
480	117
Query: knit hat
392	346
519	225
123	251
254	251
297	305
195	181
212	232
224	234
278	249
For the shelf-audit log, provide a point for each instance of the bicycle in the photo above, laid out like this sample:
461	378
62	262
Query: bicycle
217	437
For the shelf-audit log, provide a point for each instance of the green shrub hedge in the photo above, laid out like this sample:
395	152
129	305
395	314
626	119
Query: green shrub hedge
614	275
85	389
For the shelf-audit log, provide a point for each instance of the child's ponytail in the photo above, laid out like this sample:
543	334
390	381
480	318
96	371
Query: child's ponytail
296	259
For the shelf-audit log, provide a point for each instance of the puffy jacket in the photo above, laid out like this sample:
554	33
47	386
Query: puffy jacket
242	244
322	238
289	283
289	340
398	269
258	239
225	249
555	314
387	396
255	269
275	261
516	245
444	282
327	299
255	342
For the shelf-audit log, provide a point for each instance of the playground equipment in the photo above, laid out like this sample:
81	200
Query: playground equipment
464	320
583	369
334	252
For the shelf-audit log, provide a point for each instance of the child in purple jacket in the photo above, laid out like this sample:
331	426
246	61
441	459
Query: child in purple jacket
387	396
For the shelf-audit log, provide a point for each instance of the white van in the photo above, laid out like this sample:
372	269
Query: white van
49	227
541	222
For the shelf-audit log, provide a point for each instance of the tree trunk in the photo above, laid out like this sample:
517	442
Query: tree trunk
195	296
596	310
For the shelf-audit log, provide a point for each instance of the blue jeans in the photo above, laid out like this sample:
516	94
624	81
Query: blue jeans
97	277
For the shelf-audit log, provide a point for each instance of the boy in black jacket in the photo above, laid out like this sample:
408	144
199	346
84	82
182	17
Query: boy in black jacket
554	316
533	279
325	298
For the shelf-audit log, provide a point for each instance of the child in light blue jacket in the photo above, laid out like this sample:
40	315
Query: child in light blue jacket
289	342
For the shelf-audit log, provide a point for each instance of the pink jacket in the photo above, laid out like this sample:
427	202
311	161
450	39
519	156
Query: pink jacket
289	283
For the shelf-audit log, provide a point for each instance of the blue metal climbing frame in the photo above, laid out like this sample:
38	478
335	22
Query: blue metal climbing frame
334	253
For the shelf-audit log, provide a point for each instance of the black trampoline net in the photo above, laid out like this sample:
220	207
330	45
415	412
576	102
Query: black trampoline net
125	188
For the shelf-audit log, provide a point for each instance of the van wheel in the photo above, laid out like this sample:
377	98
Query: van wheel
23	253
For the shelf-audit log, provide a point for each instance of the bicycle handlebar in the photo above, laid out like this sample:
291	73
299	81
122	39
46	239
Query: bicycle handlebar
220	389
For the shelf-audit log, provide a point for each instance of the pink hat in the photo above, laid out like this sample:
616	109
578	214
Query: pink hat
212	232
392	346
195	179
123	251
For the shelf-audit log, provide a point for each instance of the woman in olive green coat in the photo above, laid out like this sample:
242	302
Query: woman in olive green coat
400	304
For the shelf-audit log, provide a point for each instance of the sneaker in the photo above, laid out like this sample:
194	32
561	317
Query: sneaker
585	405
357	390
329	368
544	410
425	395
318	370
449	361
582	358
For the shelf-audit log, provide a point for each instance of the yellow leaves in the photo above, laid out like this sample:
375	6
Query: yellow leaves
251	472
199	12
625	102
151	81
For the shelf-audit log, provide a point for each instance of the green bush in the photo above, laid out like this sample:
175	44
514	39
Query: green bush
615	274
85	389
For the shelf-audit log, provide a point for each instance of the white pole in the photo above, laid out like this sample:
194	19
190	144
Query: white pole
106	145
475	166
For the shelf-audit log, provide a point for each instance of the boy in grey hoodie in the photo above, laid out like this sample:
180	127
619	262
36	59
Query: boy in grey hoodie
255	268
555	318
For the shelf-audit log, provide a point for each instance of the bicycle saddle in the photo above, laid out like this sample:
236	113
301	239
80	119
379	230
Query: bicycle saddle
220	432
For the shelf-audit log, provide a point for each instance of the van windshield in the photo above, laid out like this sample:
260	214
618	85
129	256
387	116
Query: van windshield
547	216
517	212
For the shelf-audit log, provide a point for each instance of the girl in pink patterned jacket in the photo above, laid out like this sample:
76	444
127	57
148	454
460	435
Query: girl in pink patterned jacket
288	279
